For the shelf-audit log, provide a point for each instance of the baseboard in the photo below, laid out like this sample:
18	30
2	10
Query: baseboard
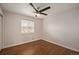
0	49
19	43
42	39
61	45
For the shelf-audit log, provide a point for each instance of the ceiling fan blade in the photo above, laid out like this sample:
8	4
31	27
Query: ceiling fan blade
44	14
33	7
45	9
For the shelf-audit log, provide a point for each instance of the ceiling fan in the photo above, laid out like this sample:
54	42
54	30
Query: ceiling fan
37	11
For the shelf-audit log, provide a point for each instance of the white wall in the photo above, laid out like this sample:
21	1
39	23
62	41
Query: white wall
63	29
0	32
1	28
12	30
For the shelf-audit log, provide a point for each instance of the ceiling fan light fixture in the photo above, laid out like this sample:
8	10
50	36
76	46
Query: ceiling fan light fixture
37	14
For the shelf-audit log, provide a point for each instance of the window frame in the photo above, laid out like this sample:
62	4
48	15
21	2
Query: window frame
33	27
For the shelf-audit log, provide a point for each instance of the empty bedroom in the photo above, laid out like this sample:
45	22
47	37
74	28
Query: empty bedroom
39	28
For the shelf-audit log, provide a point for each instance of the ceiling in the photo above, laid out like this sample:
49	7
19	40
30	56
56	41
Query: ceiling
26	9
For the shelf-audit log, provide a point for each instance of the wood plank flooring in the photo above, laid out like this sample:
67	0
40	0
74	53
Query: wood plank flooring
39	47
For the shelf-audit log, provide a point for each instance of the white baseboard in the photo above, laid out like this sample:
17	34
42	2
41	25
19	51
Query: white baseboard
19	43
0	49
62	45
42	39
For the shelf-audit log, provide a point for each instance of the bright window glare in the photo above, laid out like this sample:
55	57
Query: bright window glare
27	26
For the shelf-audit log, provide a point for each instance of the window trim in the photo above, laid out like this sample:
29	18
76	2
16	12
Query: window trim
28	32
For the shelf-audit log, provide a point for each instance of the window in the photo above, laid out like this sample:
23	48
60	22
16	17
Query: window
27	26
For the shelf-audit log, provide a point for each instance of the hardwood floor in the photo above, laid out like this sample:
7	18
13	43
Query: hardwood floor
39	47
